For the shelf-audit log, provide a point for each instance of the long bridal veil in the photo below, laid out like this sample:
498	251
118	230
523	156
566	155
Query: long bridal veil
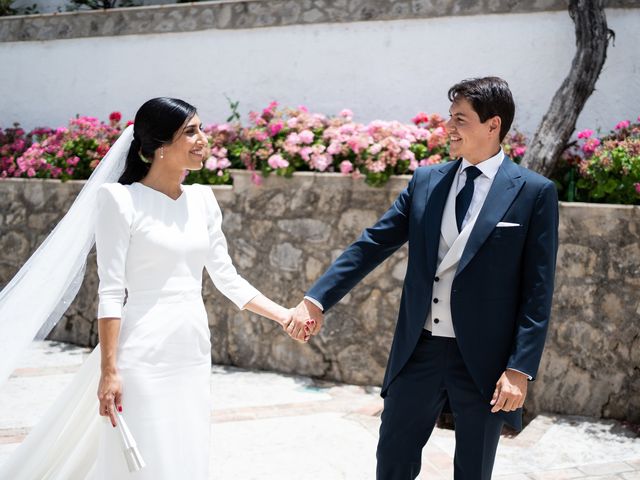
63	445
42	290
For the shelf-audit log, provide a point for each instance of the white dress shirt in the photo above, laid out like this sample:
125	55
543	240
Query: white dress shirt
482	184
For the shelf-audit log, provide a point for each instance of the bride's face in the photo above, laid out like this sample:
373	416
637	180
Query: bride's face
189	148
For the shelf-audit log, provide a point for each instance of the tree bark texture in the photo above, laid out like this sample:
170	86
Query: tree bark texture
559	122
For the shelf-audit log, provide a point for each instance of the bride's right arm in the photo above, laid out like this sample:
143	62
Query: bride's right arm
113	231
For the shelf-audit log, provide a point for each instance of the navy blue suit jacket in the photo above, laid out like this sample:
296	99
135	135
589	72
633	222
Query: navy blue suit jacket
502	291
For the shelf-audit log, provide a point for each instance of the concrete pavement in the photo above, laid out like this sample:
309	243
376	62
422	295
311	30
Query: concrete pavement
262	422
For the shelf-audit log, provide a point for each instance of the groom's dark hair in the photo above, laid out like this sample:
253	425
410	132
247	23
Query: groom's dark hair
489	96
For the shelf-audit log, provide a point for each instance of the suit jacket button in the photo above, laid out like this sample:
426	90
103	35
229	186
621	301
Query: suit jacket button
437	279
436	320
435	300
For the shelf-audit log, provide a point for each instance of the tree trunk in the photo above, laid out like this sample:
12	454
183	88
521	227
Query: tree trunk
559	122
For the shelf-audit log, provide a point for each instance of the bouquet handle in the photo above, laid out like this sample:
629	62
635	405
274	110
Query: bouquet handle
132	455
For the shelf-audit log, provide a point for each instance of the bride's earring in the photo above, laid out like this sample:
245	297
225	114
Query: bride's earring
161	153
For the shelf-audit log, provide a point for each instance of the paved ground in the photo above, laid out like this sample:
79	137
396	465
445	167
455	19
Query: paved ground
259	419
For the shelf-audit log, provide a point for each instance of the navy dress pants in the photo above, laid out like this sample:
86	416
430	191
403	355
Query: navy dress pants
413	403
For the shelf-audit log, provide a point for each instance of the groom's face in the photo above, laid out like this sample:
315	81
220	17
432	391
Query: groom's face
468	136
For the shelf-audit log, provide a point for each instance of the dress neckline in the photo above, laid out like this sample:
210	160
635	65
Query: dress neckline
174	200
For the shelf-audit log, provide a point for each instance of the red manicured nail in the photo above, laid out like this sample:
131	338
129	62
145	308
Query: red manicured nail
120	409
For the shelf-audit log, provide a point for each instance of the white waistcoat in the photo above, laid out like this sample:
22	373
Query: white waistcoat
450	251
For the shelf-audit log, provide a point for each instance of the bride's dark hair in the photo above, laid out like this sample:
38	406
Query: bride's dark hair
156	122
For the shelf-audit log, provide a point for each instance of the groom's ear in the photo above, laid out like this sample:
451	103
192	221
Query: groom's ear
495	123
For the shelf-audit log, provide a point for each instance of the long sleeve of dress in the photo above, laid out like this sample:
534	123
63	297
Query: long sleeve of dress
113	231
219	264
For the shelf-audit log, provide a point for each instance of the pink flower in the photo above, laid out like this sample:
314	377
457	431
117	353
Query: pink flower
637	185
261	136
211	163
378	167
346	113
276	161
404	143
520	151
302	108
590	145
585	133
115	117
306	136
346	167
31	172
420	118
334	148
293	138
320	161
292	122
275	128
223	163
347	129
305	153
268	112
623	124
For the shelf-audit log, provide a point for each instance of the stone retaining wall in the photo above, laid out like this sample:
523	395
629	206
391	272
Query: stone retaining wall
283	235
242	14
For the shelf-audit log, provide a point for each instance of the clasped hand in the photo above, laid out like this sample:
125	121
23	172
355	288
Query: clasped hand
304	321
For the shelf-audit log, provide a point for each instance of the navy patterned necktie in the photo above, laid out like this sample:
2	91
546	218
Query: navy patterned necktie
463	200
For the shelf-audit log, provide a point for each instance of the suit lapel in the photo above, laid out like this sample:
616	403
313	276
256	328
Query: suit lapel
502	193
440	182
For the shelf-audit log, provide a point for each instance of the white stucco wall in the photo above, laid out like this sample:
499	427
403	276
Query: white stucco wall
387	70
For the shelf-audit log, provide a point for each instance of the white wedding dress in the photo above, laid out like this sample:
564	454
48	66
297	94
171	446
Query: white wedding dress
155	248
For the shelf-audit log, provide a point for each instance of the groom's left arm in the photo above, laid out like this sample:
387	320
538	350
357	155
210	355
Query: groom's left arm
538	272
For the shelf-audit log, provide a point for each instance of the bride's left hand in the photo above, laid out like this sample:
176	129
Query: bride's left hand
110	395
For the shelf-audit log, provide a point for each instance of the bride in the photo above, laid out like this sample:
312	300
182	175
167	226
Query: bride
153	238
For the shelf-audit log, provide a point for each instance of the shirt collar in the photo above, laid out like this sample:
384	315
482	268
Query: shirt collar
488	167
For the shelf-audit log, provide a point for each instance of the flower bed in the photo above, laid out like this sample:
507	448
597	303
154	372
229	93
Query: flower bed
602	170
285	140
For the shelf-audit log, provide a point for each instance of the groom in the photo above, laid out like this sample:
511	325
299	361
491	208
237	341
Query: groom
483	236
